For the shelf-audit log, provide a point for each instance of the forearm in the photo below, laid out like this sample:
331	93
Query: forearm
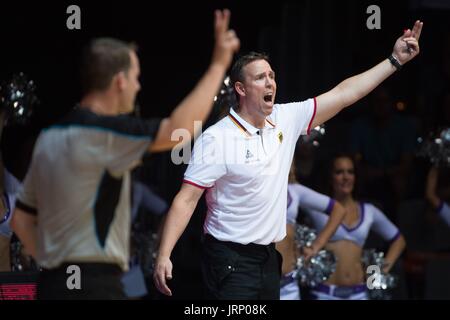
431	186
24	226
198	104
335	219
357	87
175	223
350	90
395	250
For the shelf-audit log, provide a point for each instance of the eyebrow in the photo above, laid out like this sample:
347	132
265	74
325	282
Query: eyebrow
262	73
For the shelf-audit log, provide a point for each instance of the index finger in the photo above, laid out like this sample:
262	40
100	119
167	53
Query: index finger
417	29
222	21
161	284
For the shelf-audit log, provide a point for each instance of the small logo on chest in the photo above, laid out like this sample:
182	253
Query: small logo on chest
280	136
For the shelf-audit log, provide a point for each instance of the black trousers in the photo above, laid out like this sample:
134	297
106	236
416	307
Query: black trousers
233	271
98	281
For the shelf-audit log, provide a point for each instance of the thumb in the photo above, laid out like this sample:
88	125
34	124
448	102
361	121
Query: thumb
406	33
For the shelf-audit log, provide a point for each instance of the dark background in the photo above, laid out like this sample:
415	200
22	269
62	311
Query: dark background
313	45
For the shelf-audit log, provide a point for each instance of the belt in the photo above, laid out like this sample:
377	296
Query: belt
240	246
340	291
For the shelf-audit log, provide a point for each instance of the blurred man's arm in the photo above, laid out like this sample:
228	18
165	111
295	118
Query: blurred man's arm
353	89
198	104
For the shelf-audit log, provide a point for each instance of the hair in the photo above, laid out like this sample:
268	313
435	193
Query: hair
236	71
333	159
102	59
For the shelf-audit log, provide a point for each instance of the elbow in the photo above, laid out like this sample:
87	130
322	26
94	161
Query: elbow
401	243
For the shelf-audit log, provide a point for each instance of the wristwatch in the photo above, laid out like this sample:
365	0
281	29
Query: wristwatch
393	60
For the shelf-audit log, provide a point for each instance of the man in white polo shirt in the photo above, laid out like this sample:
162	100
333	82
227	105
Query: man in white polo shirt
243	162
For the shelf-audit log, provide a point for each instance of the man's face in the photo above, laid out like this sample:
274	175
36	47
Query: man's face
259	86
131	86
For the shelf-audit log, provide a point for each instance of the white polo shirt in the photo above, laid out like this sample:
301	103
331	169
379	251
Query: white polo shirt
245	171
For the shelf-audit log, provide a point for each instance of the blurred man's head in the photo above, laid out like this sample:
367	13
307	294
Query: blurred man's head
111	65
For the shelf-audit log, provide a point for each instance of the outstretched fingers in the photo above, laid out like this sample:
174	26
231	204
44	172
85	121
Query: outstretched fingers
417	29
221	22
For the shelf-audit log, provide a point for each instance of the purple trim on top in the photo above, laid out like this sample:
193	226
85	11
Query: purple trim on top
361	219
441	206
330	206
395	237
8	208
289	199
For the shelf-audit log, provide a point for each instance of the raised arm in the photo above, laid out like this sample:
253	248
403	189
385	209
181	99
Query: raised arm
198	104
177	219
353	89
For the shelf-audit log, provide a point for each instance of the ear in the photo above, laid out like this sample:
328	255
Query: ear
239	87
120	81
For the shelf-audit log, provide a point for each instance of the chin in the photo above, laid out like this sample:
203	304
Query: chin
269	110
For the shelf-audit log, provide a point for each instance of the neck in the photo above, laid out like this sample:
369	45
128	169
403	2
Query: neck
255	119
100	103
346	200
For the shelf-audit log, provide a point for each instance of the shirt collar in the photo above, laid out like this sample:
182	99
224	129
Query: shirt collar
248	129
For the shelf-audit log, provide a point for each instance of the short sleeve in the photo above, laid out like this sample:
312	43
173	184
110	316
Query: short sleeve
126	145
207	162
303	114
312	200
383	226
444	212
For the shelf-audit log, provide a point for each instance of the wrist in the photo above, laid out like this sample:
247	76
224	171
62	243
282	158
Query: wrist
317	245
216	66
395	62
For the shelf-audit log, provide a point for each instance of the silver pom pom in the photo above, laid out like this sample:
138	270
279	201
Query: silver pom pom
314	136
304	236
18	99
436	147
319	268
383	281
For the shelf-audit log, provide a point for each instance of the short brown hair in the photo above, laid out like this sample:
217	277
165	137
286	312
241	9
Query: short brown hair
102	59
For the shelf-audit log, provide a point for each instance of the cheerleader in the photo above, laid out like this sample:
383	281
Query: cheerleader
300	196
347	282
